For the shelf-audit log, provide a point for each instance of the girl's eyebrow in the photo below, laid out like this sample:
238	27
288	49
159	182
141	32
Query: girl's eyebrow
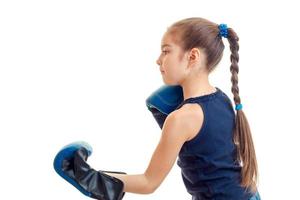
164	45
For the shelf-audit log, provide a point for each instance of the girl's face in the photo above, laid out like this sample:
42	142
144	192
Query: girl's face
173	67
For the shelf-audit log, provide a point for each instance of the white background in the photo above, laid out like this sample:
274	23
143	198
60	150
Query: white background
81	70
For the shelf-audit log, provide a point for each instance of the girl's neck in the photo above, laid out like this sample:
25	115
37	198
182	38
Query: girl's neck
197	87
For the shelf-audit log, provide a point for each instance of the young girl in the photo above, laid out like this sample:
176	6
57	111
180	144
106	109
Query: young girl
213	143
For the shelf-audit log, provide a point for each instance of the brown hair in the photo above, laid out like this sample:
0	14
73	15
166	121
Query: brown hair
204	34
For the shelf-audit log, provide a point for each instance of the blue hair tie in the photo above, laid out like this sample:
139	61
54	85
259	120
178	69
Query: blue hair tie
223	30
239	106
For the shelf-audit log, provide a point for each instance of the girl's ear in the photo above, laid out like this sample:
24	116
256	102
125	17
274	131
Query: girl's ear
193	56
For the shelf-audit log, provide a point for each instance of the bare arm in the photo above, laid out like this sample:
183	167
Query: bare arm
174	134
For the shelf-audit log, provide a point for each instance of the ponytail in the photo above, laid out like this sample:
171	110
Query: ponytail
242	134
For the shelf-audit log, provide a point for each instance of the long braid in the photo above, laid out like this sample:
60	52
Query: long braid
242	133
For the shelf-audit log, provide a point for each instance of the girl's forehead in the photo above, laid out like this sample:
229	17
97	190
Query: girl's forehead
167	42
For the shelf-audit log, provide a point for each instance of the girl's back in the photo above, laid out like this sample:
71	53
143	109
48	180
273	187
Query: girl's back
208	161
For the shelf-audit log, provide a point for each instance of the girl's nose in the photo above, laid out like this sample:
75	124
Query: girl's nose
158	61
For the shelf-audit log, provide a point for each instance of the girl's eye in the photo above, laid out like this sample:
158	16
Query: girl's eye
165	52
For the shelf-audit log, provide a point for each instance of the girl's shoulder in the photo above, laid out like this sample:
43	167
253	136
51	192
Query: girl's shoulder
192	117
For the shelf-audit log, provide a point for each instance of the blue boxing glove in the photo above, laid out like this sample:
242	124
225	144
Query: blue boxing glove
163	101
70	163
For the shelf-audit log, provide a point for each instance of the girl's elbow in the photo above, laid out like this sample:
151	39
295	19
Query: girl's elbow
153	187
152	184
149	187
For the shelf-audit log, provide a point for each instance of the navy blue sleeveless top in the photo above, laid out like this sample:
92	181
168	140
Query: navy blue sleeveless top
208	162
